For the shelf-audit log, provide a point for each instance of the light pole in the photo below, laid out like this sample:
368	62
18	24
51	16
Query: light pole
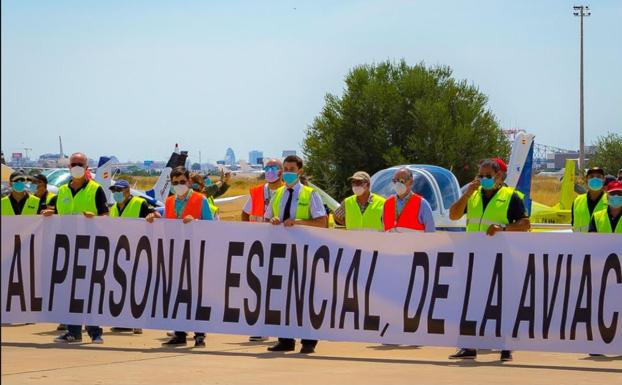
581	11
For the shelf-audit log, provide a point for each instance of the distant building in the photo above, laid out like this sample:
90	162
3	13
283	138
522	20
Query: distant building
255	157
287	153
230	157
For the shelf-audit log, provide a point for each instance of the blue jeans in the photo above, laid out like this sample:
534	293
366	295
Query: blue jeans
76	331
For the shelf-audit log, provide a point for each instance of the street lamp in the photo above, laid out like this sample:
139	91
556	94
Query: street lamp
581	11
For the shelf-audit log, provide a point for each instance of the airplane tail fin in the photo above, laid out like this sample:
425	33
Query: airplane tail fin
520	167
161	188
103	176
567	190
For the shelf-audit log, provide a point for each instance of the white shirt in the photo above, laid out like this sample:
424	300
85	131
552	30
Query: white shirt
316	206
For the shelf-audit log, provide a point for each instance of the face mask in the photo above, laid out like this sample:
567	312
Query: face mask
208	182
358	190
488	183
33	187
290	177
400	188
614	201
272	176
195	186
77	171
19	187
180	189
595	184
118	196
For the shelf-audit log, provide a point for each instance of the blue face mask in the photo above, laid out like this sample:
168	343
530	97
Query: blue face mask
195	186
33	187
208	182
614	201
290	177
19	186
488	183
118	196
595	184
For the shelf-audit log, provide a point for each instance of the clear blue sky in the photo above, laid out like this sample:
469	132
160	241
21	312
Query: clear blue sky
131	78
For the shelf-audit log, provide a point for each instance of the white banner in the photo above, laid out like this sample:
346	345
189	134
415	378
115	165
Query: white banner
520	291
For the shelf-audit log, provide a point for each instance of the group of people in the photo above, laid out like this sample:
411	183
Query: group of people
285	199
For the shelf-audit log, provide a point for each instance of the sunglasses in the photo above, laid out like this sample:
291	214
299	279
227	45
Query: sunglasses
358	182
19	180
485	176
271	168
175	183
400	180
77	165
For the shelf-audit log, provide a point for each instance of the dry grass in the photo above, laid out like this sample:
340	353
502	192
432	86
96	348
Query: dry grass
545	190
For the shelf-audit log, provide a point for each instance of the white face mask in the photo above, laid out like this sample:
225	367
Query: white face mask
180	189
358	190
400	188
77	171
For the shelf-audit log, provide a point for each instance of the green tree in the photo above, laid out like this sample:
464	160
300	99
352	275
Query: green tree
608	153
393	113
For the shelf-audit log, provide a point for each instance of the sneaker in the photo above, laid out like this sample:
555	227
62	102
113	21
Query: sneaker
97	340
506	355
257	339
120	330
465	354
170	333
61	327
68	338
307	349
174	341
199	342
281	347
137	331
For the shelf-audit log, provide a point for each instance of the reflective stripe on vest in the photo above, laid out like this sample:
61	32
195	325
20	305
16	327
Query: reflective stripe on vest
371	219
496	213
84	200
258	203
581	212
193	206
603	224
303	208
30	207
408	218
132	208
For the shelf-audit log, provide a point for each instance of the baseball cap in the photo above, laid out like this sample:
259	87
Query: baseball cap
360	175
502	166
120	184
40	178
614	186
596	170
17	174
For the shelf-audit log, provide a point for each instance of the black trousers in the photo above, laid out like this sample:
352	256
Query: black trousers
293	342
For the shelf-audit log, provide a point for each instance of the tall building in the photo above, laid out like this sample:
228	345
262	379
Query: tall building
255	157
288	153
230	157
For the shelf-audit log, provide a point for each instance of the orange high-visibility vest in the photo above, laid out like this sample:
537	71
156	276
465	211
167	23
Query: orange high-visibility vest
258	201
193	206
409	218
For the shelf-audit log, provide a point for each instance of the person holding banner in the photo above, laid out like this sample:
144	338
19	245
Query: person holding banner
39	187
586	204
295	205
490	207
406	211
187	205
363	210
19	201
127	206
84	196
258	201
608	220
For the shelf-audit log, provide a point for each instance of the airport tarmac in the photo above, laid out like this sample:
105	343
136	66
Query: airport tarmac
30	357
